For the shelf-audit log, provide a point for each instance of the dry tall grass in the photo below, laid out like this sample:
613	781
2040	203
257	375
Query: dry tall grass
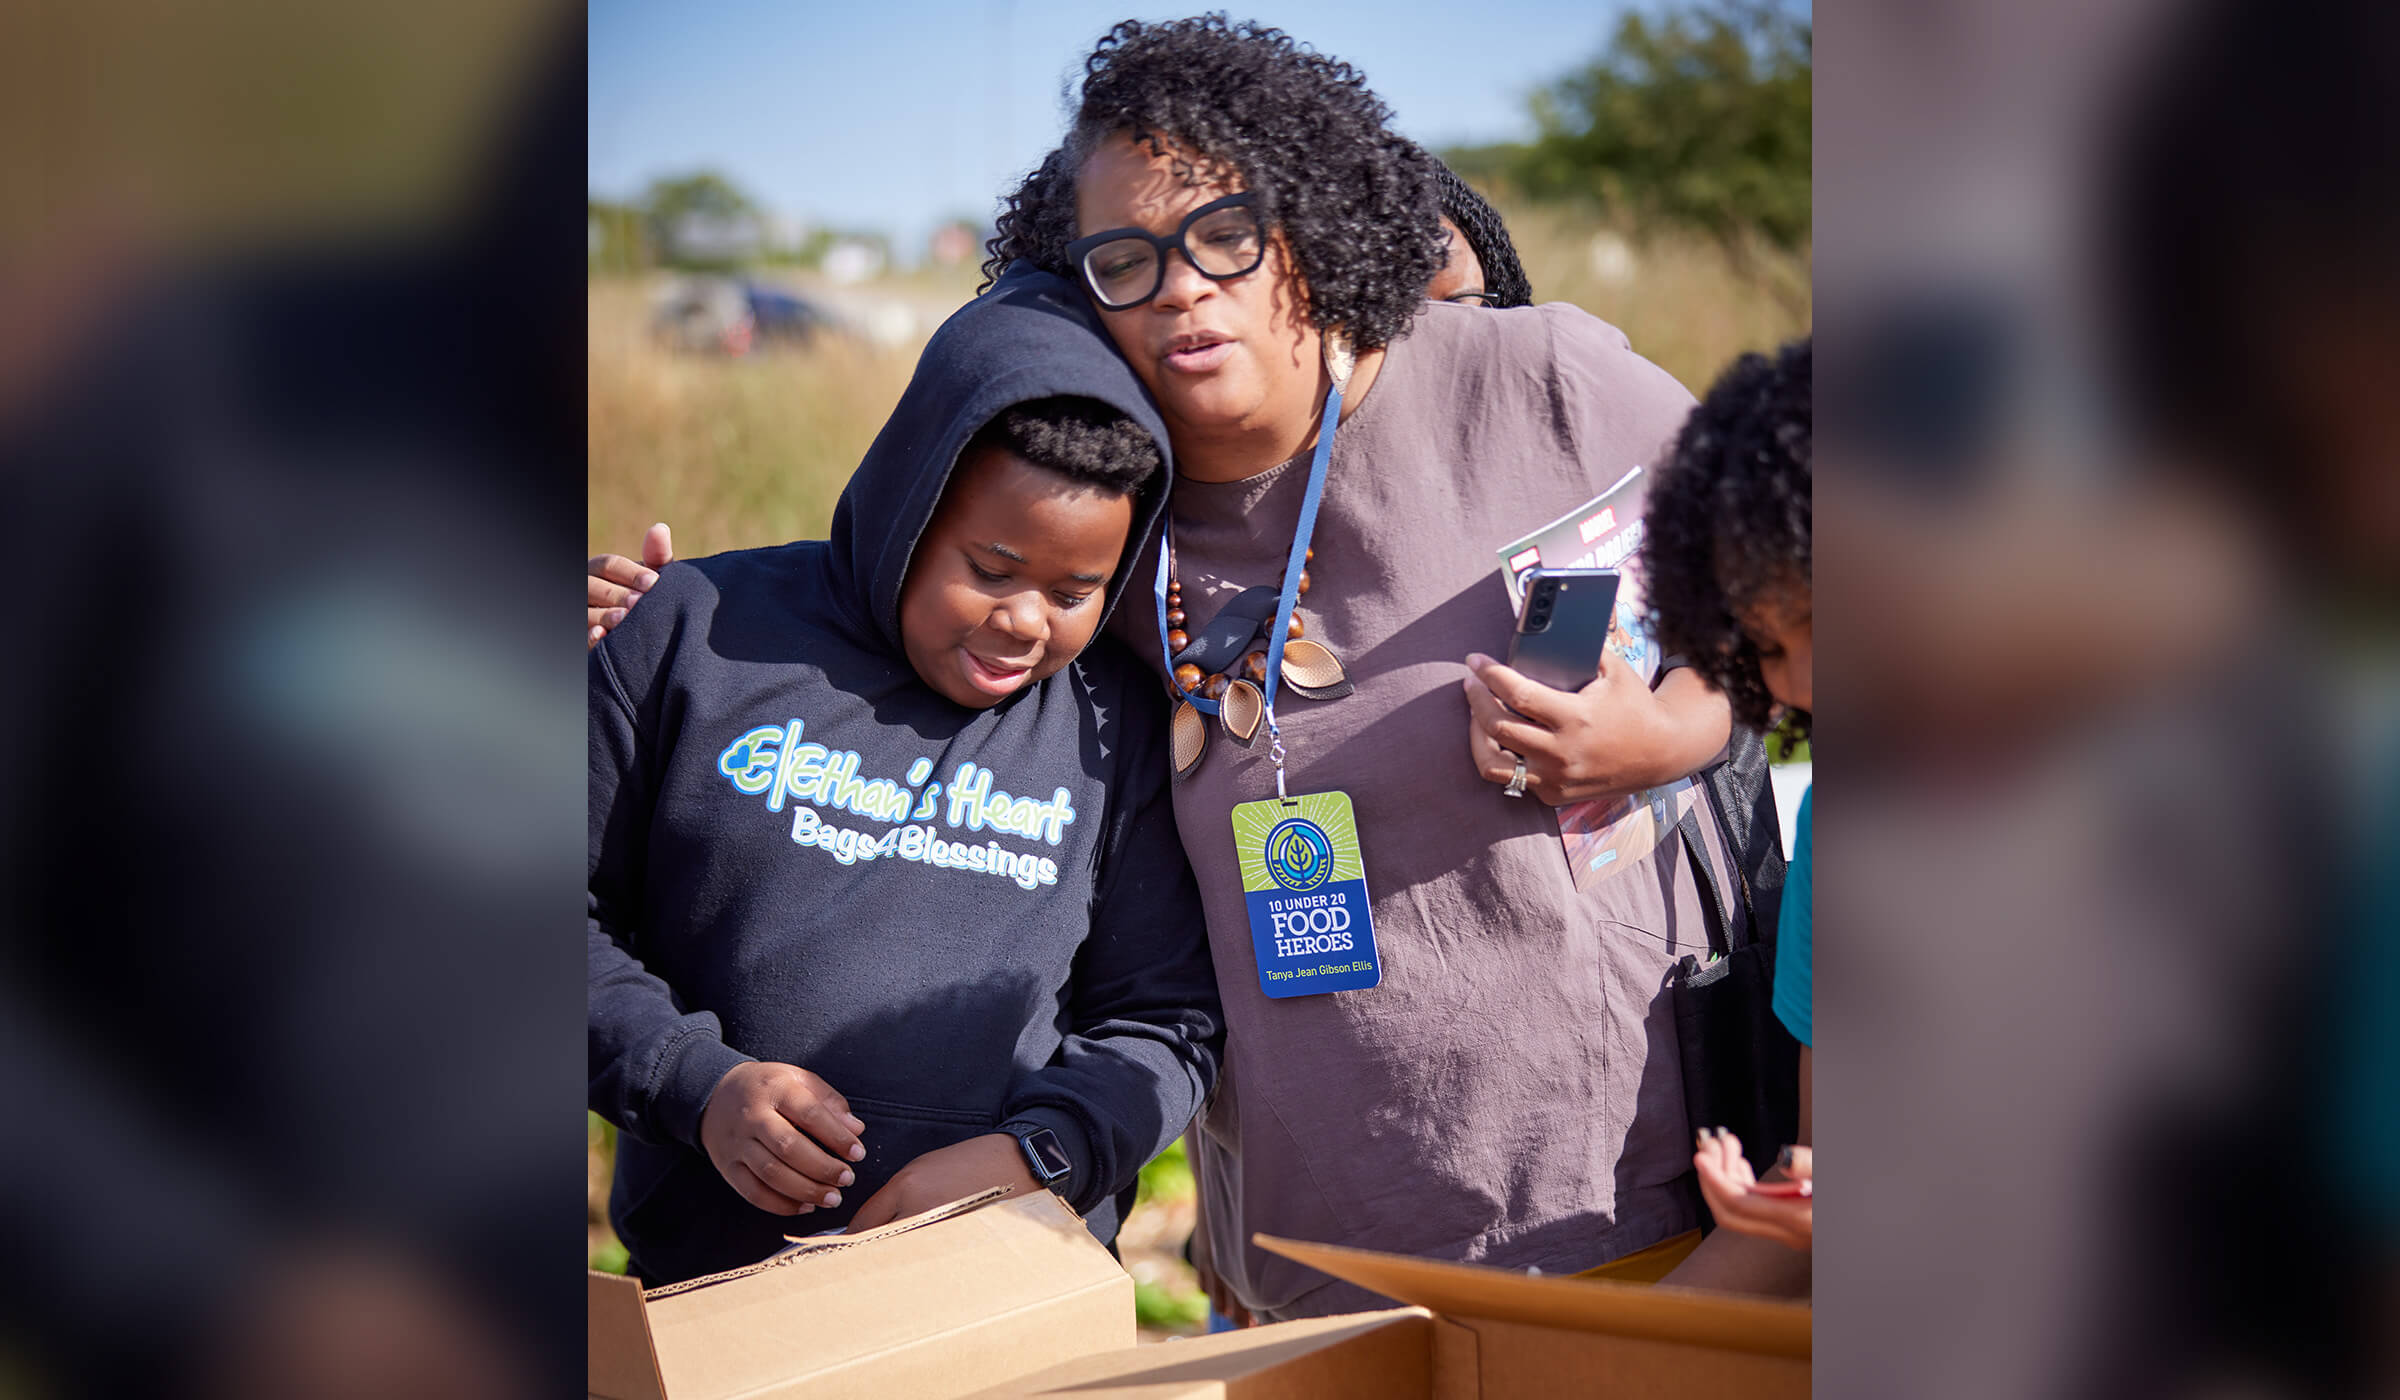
738	453
733	453
1688	303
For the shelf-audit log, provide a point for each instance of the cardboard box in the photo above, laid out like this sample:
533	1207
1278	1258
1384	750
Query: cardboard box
1499	1335
1373	1354
935	1306
1478	1334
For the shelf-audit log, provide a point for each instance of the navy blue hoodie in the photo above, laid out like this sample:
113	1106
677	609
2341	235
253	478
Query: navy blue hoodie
963	920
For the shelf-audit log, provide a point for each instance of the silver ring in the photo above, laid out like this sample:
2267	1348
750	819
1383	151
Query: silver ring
1516	782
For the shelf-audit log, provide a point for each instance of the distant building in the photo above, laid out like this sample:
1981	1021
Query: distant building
852	260
1612	258
787	233
698	237
952	244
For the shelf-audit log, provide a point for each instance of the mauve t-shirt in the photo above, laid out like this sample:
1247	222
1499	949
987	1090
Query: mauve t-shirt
1510	1092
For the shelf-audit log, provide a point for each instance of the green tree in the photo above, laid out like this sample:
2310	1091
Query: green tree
1699	116
619	240
704	194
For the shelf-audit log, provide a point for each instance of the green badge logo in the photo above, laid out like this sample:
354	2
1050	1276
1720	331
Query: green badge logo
1298	856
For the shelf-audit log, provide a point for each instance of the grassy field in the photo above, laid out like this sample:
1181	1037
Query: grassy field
739	453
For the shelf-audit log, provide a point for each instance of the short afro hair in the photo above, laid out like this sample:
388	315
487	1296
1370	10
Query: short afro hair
1728	524
1081	439
1503	274
1354	201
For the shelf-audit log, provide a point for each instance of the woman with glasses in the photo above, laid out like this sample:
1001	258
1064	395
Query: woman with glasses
1503	1085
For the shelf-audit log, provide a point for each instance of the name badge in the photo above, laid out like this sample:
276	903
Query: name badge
1306	887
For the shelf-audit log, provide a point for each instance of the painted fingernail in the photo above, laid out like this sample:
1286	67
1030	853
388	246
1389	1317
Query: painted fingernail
833	1198
847	1177
1784	1158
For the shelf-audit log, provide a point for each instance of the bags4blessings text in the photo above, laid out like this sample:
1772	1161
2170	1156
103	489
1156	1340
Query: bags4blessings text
771	760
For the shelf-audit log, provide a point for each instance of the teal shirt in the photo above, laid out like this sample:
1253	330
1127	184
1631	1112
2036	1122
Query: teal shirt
2368	1056
1793	934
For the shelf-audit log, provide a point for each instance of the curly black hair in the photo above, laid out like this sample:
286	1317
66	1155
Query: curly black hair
1727	525
1081	439
1354	200
1503	274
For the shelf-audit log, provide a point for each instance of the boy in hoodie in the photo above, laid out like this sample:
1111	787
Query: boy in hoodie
887	903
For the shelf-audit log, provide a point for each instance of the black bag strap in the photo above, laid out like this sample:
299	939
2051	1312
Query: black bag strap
1712	908
1741	786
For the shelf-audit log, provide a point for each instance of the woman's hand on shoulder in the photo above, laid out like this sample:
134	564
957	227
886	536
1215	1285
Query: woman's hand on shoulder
1615	735
612	583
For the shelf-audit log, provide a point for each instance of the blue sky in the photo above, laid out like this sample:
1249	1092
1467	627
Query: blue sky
896	116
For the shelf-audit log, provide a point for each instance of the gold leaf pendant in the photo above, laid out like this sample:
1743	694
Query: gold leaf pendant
1313	672
1241	709
1187	737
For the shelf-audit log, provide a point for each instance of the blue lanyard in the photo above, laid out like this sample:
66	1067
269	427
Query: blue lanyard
1291	568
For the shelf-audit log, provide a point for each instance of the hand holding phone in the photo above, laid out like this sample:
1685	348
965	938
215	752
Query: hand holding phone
1564	626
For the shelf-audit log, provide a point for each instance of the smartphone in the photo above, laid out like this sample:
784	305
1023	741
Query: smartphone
1564	628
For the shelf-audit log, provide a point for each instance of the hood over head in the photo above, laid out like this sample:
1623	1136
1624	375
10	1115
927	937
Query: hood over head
1032	336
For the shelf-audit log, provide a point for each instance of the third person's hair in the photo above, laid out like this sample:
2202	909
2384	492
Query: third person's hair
1728	524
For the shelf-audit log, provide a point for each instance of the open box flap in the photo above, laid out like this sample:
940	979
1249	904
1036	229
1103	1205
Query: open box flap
620	1363
1655	1311
795	1246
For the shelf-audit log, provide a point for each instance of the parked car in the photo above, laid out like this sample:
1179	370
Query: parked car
729	316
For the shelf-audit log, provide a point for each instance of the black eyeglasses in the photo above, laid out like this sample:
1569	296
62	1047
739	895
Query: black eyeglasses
1125	267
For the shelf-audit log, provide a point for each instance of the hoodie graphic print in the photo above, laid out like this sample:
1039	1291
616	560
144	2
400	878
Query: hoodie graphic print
965	921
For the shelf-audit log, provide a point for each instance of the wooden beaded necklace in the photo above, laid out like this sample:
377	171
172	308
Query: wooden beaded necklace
1253	664
1224	668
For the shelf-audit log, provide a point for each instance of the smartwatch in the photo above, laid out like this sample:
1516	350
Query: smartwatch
1047	1157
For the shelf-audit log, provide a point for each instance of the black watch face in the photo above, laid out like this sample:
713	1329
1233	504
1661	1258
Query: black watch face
1051	1153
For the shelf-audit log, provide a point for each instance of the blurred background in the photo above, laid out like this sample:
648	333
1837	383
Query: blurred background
2108	682
785	202
291	451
